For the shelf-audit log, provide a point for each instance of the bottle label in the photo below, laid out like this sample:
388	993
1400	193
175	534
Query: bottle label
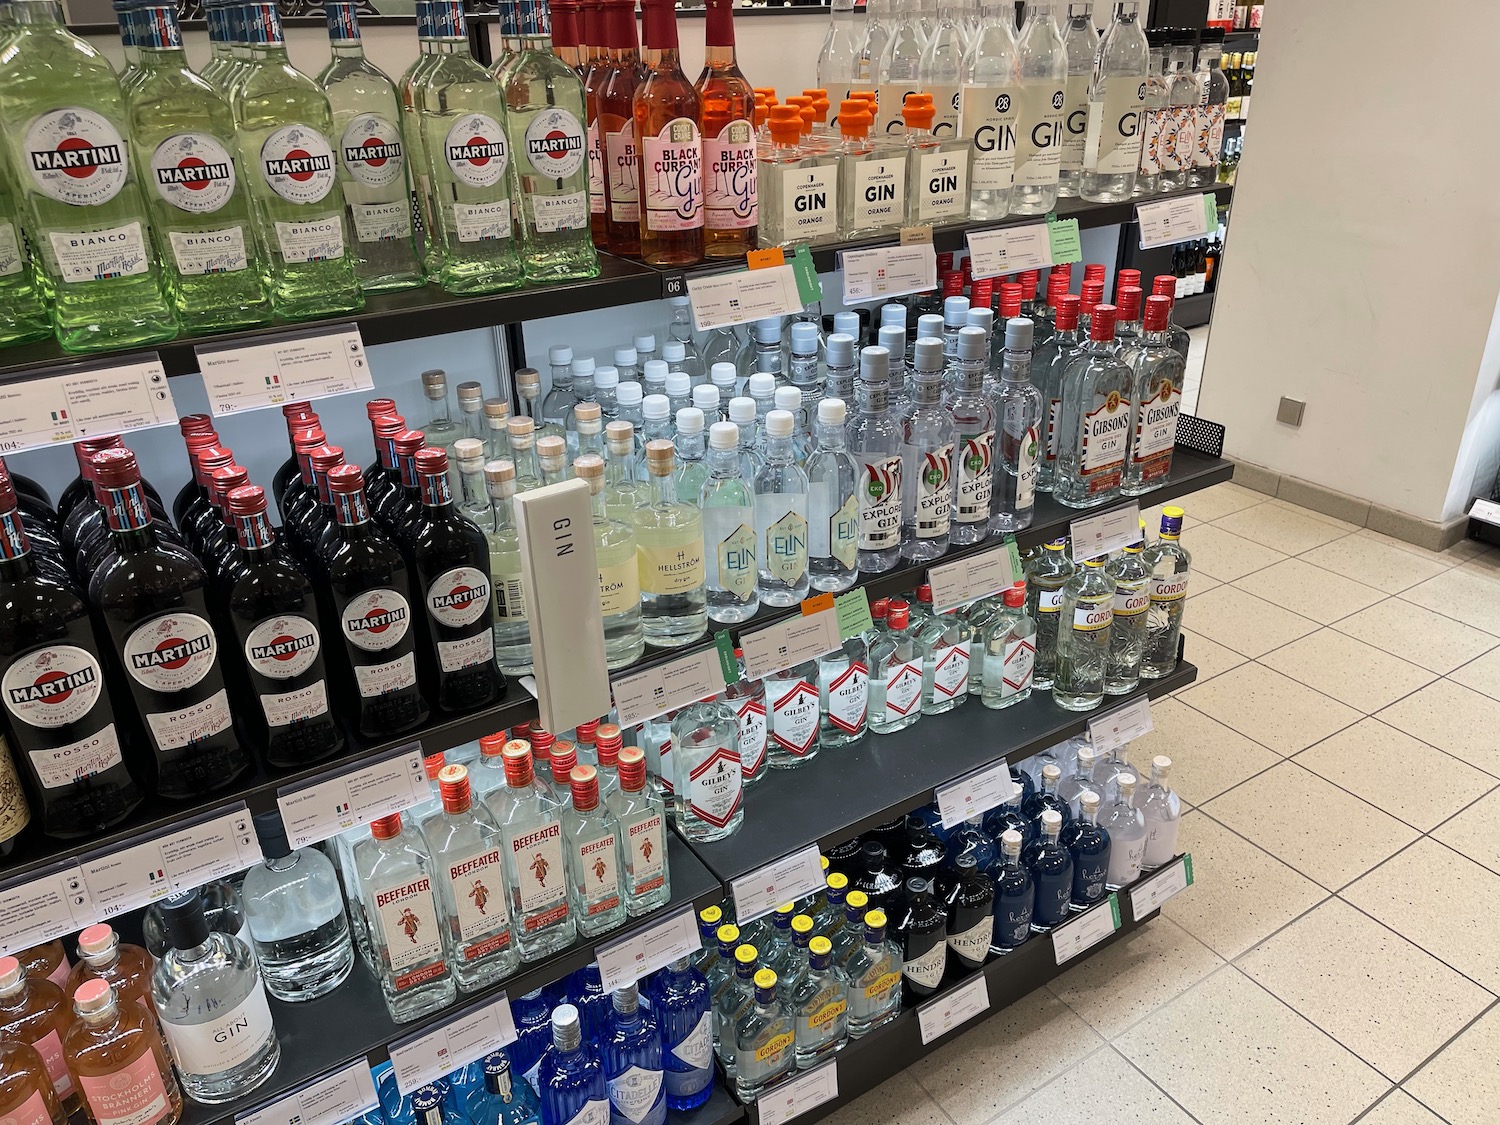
171	652
647	857
133	1095
199	252
634	1093
731	564
556	143
1026	470
375	680
482	222
295	706
715	787
1156	430
409	927
1177	137
33	1111
794	718
61	767
823	1019
975	477
11	259
753	736
926	971
475	150
478	886
889	98
466	652
620	160
193	172
942	185
809	202
772	1049
459	597
552	213
879	489
76	156
1113	144
786	539
879	192
676	569
730	189
371	151
599	871
1210	136
663	754
49	1046
297	163
989	118
1075	119
1039	141
1094	614
1170	589
282	647
1054	414
947	104
843	531
228	1039
51	687
176	729
1049	601
933	502
674	177
974	943
619	588
950	672
541	879
14	813
510	597
697	1047
849	698
594	1112
1020	657
1106	432
879	989
1129	602
903	688
596	171
321	240
376	620
97	255
1151	139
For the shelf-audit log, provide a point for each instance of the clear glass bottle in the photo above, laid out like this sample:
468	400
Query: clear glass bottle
1050	865
638	809
1095	428
619	578
819	1002
570	1078
1127	631
212	1006
1153	115
1020	410
764	1040
294	910
1116	100
708	785
900	69
1042	63
102	955
937	171
667	112
1162	810
792	710
116	1053
1009	646
535	870
728	506
595	867
833	516
1158	377
23	311
1213	94
974	423
942	646
991	101
1050	361
839	55
1083	647
730	991
1127	833
1171	566
872	178
927	461
669	554
1046	575
512	631
873	970
781	490
748	698
1081	43
798	187
844	693
1179	131
895	673
691	471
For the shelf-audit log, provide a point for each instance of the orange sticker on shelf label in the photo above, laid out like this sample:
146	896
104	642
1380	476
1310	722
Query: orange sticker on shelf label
763	259
816	604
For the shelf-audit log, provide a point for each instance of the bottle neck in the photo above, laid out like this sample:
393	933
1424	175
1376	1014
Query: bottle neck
1015	367
262	30
471	481
129	516
690	446
663	489
437	494
37	13
350	511
253	532
439	410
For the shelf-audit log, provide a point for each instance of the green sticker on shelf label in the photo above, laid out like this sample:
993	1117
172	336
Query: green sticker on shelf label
727	662
1211	209
1015	557
1062	234
853	611
809	288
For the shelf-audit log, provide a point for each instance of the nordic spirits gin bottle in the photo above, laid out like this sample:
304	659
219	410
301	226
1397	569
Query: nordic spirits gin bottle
1094	430
1042	61
535	870
667	111
1080	42
1020	409
1170	568
730	189
669	554
991	102
619	581
1158	378
66	131
1213	93
707	787
927	461
728	504
287	137
545	114
1127	632
1083	637
1116	100
372	158
764	1040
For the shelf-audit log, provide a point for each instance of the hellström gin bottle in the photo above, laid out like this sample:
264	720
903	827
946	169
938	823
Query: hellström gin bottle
669	554
1117	97
212	1006
1042	61
991	102
619	582
1083	637
1081	42
1170	568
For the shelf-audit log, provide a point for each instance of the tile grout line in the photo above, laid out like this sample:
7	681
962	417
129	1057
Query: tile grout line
1429	1059
1157	1085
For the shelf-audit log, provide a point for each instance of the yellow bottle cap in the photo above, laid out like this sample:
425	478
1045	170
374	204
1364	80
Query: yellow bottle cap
820	945
875	919
710	915
787	908
746	954
728	933
838	880
802	924
857	899
765	978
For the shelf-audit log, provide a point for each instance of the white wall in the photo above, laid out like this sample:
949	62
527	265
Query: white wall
1364	255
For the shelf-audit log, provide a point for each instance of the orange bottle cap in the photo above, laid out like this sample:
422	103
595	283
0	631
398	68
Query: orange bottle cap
918	111
809	115
855	119
785	124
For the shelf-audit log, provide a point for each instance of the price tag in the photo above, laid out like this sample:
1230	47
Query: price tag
781	1103
38	908
853	610
979	792
1486	511
1149	894
790	642
1009	249
968	579
178	859
959	1006
786	880
917	235
888	271
1173	220
736	298
645	695
294	366
338	799
627	960
1105	533
1087	930
95	398
1112	730
469	1037
341	1096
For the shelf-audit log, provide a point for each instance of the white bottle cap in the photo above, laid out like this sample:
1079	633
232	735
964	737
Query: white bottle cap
788	398
955	311
930	325
628	393
559	354
706	397
1088	801
678	302
625	357
1087	754
583	365
656	407
893	314
606	378
1161	762
679	383
742	410
673	351
723	375
768	331
645	343
1051	819
724	435
655	371
832	412
780	423
846	322
804	338
1051	772
689	420
762	385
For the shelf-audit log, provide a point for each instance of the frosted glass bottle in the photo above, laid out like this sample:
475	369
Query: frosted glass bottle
1162	810
1080	42
781	517
1127	834
1042	62
1117	97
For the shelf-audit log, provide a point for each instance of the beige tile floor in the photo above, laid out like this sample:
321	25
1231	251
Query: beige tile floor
1338	958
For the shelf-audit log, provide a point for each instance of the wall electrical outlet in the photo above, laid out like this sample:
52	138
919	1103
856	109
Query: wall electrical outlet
1290	411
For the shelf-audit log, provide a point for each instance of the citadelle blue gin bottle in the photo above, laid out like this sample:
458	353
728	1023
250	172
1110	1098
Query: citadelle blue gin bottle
631	1048
684	1014
65	128
571	1078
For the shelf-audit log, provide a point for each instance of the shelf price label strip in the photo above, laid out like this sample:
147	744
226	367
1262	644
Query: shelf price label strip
780	1104
38	907
975	793
340	798
887	271
1149	894
341	1096
645	695
1113	729
313	363
969	579
94	398
787	879
1087	930
420	1059
1177	220
945	1013
649	948
789	642
1105	533
1033	246
1486	511
737	298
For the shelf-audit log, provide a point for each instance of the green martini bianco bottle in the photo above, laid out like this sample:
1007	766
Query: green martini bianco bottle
286	130
182	131
23	305
64	124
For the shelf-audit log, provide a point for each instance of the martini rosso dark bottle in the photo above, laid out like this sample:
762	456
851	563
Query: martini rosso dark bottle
151	597
58	712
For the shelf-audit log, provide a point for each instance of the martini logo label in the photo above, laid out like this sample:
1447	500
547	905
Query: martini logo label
76	156
172	652
193	172
555	143
475	150
376	620
297	162
282	647
371	151
459	597
52	687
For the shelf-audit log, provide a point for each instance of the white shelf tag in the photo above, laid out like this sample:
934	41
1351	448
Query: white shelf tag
42	907
630	958
99	398
888	271
780	1104
1009	249
789	642
298	365
959	1006
457	1043
1486	511
969	579
1106	532
979	792
1113	729
645	695
786	880
341	1096
1150	893
1087	930
735	298
340	799
1172	220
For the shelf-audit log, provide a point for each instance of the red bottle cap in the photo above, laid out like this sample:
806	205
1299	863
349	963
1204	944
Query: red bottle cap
585	784
541	741
1010	300
1092	294
966	267
518	769
409	441
899	616
386	827
453	788
326	457
880	608
193	424
953	284
248	500
378	407
607	744
1158	313
346	478
924	593
1102	327
982	293
492	745
945	262
226	480
432	462
290	408
1015	596
115	468
1029	280
1064	270
1125	278
632	769
433	764
309	439
1129	302
1068	307
587	732
1164	285
206	460
564	758
521	730
389	426
1094	271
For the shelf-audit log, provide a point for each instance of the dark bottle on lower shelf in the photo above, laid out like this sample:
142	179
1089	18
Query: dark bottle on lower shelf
152	598
924	853
1051	868
269	601
1015	896
298	416
879	879
893	835
845	858
923	933
1089	845
59	717
970	900
372	613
